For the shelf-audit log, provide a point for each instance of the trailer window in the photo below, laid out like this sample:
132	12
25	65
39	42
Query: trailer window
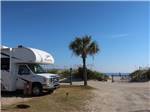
5	63
23	70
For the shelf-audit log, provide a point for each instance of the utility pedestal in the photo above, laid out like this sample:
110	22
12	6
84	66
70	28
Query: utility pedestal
70	76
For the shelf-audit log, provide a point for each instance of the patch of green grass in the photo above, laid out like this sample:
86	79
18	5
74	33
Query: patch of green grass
64	99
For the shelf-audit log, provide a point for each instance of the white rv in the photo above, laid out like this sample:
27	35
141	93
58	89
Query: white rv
22	64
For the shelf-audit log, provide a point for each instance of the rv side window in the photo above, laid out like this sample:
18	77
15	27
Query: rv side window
23	70
5	63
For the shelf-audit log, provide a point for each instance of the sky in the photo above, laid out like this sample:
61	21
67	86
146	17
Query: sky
121	29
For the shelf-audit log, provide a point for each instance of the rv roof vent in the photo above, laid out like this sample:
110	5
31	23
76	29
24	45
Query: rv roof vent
20	46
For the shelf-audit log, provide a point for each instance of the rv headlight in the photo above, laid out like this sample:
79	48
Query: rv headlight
50	80
45	80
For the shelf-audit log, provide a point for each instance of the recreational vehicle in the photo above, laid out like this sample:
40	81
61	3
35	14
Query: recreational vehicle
22	65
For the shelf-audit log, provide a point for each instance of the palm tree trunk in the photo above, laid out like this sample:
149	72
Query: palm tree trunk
84	71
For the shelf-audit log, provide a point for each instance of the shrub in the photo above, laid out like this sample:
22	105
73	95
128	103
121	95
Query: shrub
53	71
78	73
140	75
65	73
90	74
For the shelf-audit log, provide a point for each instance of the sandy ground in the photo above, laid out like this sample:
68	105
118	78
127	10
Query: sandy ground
12	100
119	97
8	98
110	97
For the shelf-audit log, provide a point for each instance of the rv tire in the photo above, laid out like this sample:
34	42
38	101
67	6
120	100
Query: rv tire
50	91
36	89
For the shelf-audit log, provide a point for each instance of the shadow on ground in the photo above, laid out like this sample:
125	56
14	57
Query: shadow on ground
20	94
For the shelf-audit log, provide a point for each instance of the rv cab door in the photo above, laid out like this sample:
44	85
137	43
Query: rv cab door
24	75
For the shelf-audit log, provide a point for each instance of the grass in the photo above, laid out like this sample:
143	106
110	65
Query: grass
64	99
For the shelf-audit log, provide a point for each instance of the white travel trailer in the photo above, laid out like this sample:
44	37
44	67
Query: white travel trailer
21	65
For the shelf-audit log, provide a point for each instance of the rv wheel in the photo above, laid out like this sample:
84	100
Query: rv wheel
50	91
36	90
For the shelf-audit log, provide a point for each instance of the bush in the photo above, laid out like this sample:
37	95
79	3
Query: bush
90	74
62	73
65	73
53	71
140	75
78	73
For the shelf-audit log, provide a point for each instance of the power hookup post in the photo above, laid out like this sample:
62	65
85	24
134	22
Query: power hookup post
70	76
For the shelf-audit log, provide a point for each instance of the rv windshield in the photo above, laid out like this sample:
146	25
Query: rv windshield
36	68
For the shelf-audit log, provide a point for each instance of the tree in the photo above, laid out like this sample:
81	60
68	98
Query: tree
84	46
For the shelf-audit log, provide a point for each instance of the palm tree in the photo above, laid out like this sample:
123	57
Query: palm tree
83	46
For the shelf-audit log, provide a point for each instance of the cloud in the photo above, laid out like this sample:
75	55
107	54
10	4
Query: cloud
120	35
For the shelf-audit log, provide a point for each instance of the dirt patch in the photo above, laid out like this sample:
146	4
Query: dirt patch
13	100
64	99
9	98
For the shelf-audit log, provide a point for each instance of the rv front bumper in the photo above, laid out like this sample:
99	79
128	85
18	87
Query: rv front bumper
49	87
56	86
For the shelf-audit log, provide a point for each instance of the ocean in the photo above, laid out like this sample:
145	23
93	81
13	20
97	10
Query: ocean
109	74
